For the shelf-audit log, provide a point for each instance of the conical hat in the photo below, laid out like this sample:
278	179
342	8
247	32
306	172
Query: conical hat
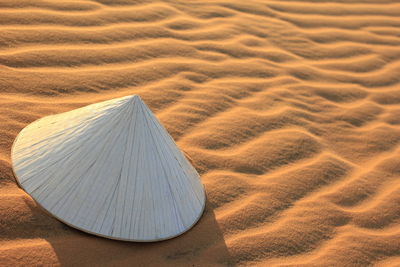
109	169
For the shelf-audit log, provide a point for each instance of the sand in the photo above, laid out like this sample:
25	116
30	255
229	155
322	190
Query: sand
290	111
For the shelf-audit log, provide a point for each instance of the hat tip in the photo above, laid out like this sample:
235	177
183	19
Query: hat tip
133	98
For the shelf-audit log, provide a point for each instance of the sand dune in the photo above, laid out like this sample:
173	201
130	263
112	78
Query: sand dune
290	110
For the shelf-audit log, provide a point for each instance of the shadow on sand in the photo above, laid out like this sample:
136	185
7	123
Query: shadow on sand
203	245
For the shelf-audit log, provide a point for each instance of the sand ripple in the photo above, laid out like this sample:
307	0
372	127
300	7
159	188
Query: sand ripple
289	109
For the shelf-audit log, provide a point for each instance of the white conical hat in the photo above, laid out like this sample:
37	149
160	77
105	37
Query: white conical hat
109	169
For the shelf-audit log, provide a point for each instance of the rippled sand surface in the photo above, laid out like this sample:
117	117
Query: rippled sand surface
290	110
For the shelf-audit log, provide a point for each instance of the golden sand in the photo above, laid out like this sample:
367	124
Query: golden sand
290	110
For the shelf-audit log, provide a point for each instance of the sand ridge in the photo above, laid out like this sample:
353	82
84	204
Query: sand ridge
288	109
